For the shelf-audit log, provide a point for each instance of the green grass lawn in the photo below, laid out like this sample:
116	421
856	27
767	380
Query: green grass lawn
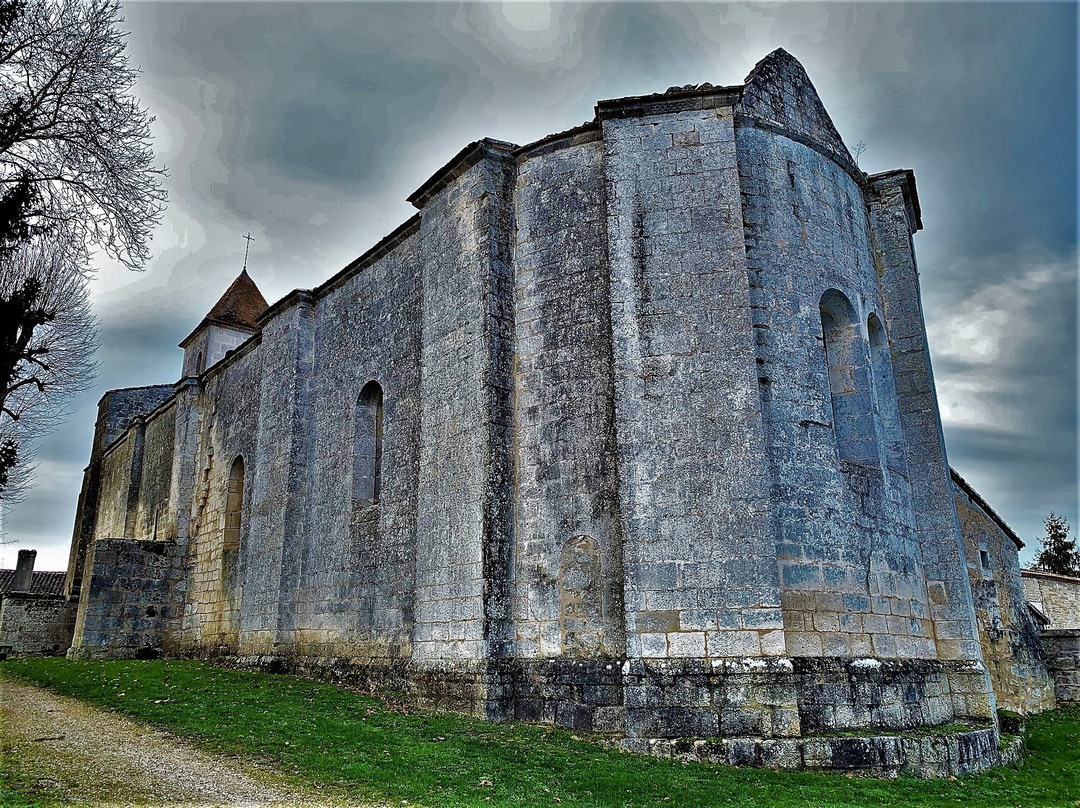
17	789
360	746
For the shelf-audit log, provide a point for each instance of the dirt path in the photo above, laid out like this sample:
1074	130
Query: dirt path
83	755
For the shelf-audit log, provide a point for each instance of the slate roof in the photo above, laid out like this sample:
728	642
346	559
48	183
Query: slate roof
42	583
965	486
240	307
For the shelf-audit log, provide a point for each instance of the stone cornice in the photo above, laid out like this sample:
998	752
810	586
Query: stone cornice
677	99
458	165
587	132
904	179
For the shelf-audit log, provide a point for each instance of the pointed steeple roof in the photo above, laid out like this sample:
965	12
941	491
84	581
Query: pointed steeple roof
239	308
778	91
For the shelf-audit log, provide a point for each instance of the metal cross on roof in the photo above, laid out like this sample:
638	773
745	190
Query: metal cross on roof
246	248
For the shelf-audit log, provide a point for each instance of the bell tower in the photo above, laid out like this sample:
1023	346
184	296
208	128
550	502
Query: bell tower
230	322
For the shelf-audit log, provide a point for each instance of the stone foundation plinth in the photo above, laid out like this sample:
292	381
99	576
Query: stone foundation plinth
878	717
944	753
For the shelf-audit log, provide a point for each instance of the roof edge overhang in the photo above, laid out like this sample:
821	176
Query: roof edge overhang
1049	576
676	99
905	179
976	497
458	165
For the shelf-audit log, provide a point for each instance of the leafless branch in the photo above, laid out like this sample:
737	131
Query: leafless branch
44	312
70	124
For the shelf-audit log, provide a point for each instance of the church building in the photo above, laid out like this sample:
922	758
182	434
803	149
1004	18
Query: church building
632	429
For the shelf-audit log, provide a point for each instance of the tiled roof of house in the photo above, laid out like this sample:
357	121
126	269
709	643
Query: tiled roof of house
42	583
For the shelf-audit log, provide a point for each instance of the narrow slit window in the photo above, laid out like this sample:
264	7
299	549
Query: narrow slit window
367	451
234	504
892	432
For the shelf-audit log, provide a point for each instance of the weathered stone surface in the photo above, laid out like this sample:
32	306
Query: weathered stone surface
631	430
35	625
1011	649
128	605
1063	658
1056	596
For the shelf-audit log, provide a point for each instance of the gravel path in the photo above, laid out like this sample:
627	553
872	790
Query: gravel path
83	755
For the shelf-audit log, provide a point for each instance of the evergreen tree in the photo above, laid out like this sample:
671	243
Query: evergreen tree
1059	554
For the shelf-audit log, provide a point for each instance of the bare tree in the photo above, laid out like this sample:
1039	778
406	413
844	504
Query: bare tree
76	174
858	150
75	156
47	341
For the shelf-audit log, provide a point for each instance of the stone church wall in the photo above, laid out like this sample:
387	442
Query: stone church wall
849	553
894	217
1009	638
221	428
356	561
568	565
572	445
154	513
117	409
462	529
701	576
116	474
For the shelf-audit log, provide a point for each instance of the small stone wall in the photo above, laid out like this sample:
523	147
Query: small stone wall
1057	596
35	625
1062	648
126	609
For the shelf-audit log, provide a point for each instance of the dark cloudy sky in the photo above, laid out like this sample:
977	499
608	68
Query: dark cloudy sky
308	125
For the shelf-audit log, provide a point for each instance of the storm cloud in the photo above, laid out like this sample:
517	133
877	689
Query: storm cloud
309	124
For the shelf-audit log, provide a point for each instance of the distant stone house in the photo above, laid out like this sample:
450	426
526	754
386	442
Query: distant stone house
1056	600
36	617
1057	597
632	429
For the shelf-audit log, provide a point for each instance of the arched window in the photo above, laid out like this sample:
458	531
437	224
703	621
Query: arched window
885	386
199	364
367	449
234	504
849	380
